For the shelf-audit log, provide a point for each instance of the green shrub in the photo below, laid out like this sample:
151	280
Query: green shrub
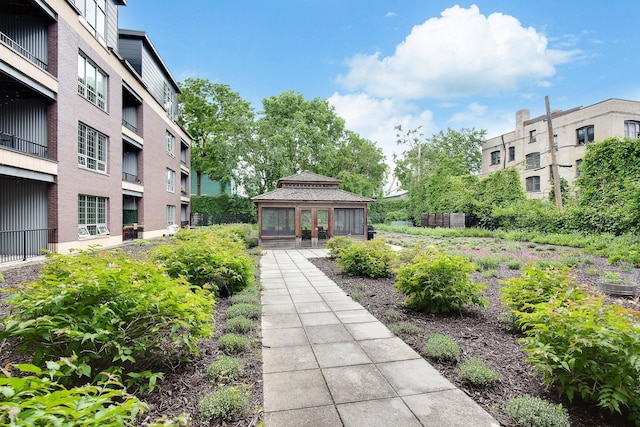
226	403
371	259
37	397
142	243
475	372
108	309
535	285
437	282
337	244
487	263
239	324
208	257
233	344
251	311
226	369
247	296
406	328
393	314
490	273
442	347
589	348
529	411
514	265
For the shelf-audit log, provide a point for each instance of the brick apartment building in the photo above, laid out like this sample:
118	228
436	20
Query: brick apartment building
527	147
90	149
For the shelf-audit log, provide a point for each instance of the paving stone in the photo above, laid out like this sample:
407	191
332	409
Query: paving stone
357	383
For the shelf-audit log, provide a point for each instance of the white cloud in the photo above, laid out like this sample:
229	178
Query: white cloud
389	14
471	114
462	53
376	119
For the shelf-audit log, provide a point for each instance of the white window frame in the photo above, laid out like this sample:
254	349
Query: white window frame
632	129
92	82
94	13
92	148
171	144
171	215
92	216
171	180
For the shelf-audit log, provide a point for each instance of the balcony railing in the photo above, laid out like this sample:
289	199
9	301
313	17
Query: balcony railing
22	145
17	48
129	177
130	126
19	245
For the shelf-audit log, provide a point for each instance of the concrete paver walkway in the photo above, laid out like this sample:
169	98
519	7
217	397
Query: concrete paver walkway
328	362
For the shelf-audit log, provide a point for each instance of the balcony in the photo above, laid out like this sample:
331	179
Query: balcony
22	145
17	48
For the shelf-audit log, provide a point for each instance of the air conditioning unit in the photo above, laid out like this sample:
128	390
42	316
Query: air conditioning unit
173	229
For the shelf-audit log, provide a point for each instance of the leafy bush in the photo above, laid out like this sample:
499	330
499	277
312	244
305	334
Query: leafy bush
404	328
490	273
233	344
239	324
225	369
337	244
371	258
437	282
108	309
251	311
226	403
529	411
535	285
212	256
442	347
38	397
589	348
475	372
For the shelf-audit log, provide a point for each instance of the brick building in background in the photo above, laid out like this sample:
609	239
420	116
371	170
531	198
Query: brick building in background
527	147
90	149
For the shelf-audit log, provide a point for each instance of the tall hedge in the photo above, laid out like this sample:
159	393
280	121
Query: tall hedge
609	186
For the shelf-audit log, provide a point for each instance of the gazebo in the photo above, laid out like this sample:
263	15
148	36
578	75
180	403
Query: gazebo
307	209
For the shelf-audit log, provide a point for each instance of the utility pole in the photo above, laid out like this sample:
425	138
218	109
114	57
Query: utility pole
554	164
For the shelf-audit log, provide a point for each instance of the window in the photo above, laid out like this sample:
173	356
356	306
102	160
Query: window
92	149
171	180
632	129
348	222
533	183
92	216
555	142
532	136
171	143
95	13
585	135
532	161
578	167
92	82
171	215
278	222
495	157
512	154
169	101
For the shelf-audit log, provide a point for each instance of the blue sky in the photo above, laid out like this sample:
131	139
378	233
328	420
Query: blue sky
429	63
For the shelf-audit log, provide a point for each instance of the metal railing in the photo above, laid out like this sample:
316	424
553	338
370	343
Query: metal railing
19	245
17	48
22	145
130	126
129	177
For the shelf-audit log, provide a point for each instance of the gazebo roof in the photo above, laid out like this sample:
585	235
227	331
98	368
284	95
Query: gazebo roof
310	187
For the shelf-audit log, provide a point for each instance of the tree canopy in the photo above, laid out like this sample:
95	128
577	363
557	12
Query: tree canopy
221	124
293	134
